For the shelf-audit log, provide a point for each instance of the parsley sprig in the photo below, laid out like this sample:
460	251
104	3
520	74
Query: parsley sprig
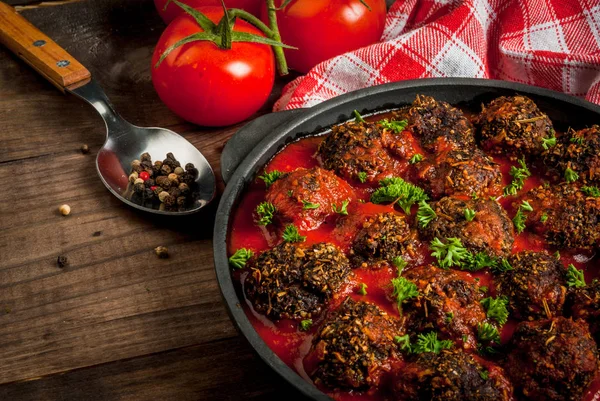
429	343
520	217
425	214
270	177
451	253
496	309
291	234
240	257
306	205
403	290
549	142
398	191
575	277
306	324
501	267
362	176
265	212
470	214
343	210
591	191
396	126
519	175
362	289
571	175
416	158
480	260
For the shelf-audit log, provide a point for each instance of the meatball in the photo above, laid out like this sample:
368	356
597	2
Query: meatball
565	216
448	302
355	150
304	196
451	375
292	282
514	126
460	172
438	125
536	287
584	303
351	346
579	151
552	359
490	231
382	238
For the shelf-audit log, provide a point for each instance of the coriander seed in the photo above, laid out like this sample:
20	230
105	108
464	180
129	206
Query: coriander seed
64	210
138	181
162	252
178	170
162	196
133	176
85	149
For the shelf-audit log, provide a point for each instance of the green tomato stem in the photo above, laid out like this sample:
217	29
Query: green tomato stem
279	55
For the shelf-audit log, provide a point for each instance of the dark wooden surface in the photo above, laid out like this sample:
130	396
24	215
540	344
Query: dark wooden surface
117	323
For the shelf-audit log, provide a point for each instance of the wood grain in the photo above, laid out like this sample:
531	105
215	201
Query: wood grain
38	50
116	323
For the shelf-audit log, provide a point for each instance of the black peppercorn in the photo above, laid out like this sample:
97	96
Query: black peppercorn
184	188
158	190
163	181
170	201
166	169
188	179
148	194
62	261
146	157
139	188
193	172
171	156
190	166
181	201
149	183
174	192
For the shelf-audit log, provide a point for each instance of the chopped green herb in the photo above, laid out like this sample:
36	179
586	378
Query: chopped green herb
270	178
396	126
502	267
487	332
399	191
400	263
496	309
425	214
240	257
570	175
575	277
520	218
403	290
358	117
470	214
484	374
577	139
343	210
265	211
519	175
404	342
291	234
305	325
308	205
362	290
449	317
362	177
591	191
557	255
290	193
549	142
483	289
474	196
429	343
473	262
526	206
416	159
450	254
544	217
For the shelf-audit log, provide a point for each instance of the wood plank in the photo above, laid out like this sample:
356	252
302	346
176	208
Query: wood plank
223	370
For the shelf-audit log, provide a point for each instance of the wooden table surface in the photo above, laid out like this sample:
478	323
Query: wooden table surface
117	323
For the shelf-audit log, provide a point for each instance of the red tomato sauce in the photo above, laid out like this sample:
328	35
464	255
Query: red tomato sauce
292	345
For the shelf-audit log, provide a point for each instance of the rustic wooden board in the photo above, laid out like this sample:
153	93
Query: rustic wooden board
117	323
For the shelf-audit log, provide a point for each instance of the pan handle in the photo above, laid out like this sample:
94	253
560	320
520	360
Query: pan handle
39	51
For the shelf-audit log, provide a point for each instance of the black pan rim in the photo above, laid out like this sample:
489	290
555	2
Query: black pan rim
246	170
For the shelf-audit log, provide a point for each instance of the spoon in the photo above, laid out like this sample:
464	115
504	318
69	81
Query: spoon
125	142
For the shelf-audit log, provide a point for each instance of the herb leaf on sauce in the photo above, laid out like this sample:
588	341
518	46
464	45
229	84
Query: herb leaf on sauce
575	277
265	212
271	177
398	191
452	253
470	214
306	205
240	257
496	309
591	191
425	214
343	210
306	324
396	126
291	234
429	343
519	175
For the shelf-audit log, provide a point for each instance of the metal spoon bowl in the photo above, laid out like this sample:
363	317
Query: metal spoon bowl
124	141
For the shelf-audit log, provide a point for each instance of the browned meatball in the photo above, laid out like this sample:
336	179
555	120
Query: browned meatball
294	282
382	238
351	346
513	126
584	303
552	359
304	196
438	125
565	216
448	302
460	172
451	375
536	287
355	150
490	231
578	151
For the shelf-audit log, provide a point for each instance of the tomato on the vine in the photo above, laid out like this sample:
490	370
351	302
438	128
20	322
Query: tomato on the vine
172	11
205	84
322	29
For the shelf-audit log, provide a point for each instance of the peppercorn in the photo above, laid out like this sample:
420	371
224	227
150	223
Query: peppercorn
148	194
136	166
170	201
149	183
162	196
85	149
171	156
139	187
138	181
157	190
175	192
163	182
189	166
64	210
133	176
62	261
150	172
173	178
166	169
156	167
146	157
181	201
188	179
193	172
178	170
184	188
162	252
144	176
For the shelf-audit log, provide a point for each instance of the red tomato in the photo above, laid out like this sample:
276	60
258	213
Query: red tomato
207	85
173	10
322	29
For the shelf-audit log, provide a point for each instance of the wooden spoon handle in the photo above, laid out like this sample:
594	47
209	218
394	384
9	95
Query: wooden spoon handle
39	51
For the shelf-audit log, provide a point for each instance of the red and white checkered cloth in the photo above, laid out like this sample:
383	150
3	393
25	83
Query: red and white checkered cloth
549	43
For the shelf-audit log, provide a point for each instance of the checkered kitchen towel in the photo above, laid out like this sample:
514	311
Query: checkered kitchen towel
549	43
